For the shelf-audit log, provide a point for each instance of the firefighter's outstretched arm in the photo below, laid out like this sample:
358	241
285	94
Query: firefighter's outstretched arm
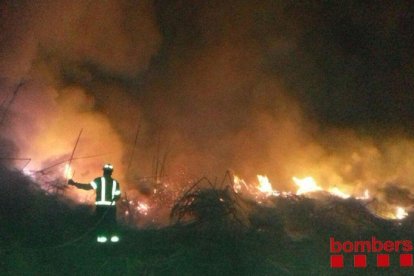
80	185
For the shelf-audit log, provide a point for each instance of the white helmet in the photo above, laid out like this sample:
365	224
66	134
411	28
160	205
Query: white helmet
108	167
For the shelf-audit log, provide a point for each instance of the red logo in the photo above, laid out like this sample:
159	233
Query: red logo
387	253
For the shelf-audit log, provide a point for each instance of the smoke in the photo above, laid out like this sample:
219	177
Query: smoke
50	46
281	88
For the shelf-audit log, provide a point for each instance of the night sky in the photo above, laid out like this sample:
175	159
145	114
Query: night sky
283	88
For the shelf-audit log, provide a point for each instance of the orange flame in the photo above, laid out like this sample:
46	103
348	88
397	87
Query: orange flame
306	185
400	213
265	186
337	192
238	183
365	196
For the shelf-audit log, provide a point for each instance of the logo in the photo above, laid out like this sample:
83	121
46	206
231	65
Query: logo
386	253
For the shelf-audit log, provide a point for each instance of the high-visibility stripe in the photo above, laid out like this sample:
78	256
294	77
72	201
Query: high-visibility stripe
101	239
103	189
104	202
114	239
93	184
113	188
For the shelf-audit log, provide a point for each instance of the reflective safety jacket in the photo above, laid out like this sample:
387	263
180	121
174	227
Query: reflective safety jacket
107	189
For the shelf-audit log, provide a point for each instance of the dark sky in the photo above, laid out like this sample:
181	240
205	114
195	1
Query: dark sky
349	63
271	87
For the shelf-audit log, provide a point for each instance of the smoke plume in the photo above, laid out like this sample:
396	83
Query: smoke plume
282	88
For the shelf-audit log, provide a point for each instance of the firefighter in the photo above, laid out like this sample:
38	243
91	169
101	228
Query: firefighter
107	193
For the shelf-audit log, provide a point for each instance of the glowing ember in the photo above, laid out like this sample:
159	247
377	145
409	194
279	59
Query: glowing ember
265	186
237	186
28	172
336	192
400	213
306	185
143	208
365	196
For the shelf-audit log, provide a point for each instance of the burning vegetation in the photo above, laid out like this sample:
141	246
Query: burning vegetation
220	89
214	224
307	104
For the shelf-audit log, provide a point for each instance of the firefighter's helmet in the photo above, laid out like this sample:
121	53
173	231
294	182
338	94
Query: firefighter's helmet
108	167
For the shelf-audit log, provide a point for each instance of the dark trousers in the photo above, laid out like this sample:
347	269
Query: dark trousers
106	218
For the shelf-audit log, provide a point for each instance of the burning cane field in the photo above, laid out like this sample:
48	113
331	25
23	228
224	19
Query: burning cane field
247	137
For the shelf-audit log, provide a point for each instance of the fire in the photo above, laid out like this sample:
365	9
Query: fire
400	213
365	196
306	185
337	192
265	186
238	183
143	208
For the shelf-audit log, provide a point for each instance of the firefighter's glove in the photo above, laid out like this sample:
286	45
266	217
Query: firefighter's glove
71	182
